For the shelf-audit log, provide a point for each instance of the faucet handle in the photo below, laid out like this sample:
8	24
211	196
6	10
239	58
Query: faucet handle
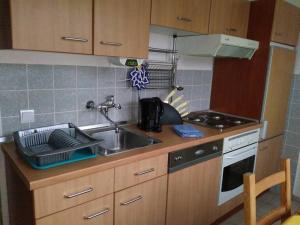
90	105
110	98
118	106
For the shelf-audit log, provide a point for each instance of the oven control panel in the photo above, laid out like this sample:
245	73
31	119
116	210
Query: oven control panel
240	140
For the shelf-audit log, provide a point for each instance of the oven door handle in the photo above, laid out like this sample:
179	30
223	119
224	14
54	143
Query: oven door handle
236	155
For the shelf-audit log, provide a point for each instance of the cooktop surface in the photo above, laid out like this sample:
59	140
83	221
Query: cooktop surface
216	120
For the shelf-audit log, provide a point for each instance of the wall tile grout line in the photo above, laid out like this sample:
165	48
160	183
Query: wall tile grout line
76	93
53	93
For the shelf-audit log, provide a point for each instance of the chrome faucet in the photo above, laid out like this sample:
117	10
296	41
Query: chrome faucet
104	107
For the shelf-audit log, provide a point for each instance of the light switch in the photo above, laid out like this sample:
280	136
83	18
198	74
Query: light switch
27	116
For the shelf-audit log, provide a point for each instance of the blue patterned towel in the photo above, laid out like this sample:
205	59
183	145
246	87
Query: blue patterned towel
187	131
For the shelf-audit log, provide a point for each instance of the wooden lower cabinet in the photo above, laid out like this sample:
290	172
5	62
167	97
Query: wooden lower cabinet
268	157
143	204
193	194
96	212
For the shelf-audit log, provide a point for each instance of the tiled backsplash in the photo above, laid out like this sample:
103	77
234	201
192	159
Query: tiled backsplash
292	134
58	94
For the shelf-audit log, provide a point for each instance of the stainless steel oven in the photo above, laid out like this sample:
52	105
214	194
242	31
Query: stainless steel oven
239	157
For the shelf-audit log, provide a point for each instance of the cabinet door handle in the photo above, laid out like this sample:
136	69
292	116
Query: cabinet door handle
97	214
75	39
110	43
184	19
144	172
79	193
278	34
131	201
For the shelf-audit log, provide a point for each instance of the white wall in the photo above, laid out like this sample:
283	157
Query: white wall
156	40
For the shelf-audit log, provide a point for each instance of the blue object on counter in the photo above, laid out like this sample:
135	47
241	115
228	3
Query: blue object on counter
187	131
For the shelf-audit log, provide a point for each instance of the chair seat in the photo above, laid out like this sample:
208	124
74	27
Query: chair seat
294	220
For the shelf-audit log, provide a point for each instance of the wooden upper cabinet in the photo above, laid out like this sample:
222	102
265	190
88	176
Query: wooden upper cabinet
188	15
229	17
286	23
278	90
52	25
121	28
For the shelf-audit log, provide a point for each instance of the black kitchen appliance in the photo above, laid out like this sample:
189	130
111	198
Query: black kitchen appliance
151	110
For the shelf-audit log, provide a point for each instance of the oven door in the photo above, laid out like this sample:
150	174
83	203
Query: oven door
235	164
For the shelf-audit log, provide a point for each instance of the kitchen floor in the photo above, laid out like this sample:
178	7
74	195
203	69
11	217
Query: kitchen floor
265	204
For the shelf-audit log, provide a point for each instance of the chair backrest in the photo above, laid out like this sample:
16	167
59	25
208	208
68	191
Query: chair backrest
253	189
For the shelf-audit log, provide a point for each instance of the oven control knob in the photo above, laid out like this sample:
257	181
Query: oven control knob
177	158
215	148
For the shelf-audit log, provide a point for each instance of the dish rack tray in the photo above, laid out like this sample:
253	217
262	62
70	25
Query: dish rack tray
52	146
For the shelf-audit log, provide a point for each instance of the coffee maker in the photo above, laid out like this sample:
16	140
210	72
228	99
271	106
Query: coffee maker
151	110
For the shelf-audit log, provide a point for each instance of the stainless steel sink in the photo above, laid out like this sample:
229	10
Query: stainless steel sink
124	140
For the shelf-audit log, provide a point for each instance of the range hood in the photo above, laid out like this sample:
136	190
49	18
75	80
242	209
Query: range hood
217	45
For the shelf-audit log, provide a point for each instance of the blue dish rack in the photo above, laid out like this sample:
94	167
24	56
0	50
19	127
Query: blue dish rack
52	146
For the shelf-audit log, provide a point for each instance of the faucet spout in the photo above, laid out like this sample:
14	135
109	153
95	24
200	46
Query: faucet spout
104	107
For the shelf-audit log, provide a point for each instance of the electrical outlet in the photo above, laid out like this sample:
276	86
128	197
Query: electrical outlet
27	116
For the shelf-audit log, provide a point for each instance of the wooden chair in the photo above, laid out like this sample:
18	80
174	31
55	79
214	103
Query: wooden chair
253	189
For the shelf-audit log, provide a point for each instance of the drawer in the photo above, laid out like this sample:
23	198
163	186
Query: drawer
57	197
138	172
99	211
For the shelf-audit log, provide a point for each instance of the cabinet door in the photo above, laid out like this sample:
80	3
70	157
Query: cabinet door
188	15
96	212
143	204
52	25
193	194
229	17
121	28
286	23
268	157
278	90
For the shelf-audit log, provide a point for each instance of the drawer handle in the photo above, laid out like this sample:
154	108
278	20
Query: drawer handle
79	193
144	172
184	19
233	29
110	43
97	214
75	39
131	201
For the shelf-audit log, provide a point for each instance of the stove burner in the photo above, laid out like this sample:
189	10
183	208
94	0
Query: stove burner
237	122
216	120
220	126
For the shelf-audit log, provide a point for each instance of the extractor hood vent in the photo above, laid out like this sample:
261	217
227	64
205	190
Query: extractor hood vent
217	45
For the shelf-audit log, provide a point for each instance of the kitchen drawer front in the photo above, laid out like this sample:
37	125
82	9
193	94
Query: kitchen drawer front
138	172
143	204
64	195
99	211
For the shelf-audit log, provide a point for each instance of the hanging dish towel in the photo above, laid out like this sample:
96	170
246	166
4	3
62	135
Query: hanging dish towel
139	77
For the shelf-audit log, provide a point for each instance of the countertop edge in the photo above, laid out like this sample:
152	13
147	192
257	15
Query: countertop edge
34	179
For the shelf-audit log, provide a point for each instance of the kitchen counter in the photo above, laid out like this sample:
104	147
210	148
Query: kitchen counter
35	179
